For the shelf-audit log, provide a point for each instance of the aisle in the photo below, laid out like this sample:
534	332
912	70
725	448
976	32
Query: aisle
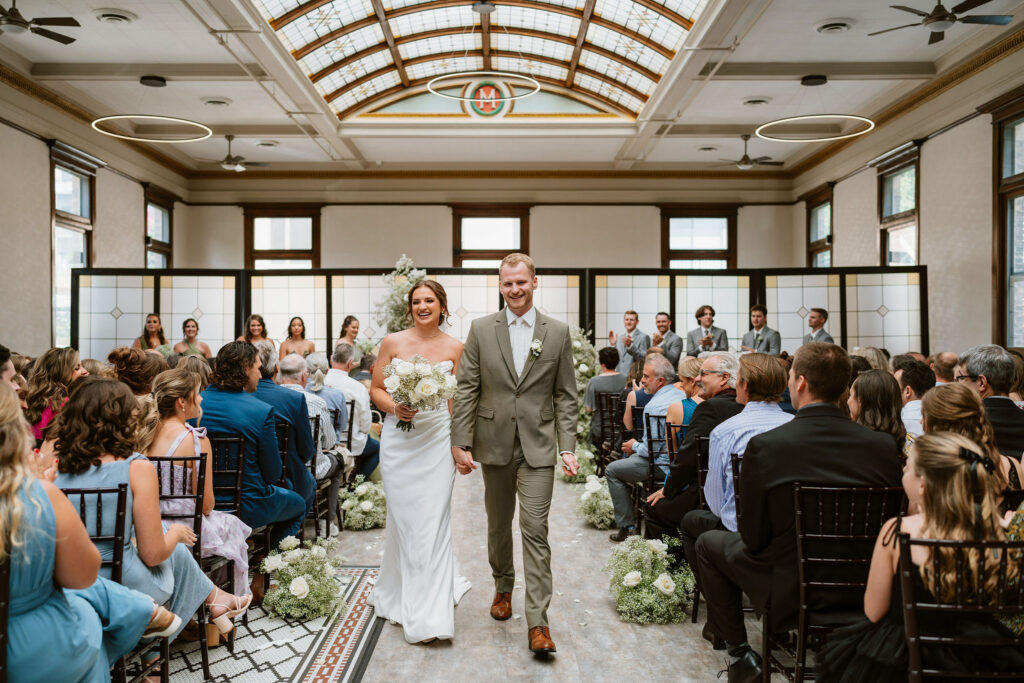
593	645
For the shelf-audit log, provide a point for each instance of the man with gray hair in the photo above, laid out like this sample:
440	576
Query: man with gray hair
988	370
318	367
658	380
363	445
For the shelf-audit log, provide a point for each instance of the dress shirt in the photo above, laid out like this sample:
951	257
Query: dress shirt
731	436
658	405
362	418
335	399
764	340
318	409
520	333
911	416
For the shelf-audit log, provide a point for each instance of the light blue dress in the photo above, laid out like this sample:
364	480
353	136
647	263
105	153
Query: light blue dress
64	635
178	582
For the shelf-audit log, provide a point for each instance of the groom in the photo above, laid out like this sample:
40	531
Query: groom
515	412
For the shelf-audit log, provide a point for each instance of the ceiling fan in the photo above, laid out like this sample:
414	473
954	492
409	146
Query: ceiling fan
237	163
745	163
940	19
12	22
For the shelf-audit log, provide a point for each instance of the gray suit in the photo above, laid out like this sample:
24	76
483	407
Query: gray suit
819	336
672	345
719	338
770	341
636	350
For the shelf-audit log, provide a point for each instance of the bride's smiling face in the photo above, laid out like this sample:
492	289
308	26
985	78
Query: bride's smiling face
425	307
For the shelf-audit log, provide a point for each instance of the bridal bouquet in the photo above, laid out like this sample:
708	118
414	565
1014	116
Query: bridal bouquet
417	384
303	585
588	467
364	505
595	503
645	585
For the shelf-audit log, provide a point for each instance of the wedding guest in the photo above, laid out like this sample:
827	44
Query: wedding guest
64	622
22	366
1017	390
152	337
875	358
190	345
173	360
349	332
658	380
296	341
48	386
915	379
95	439
98	368
633	395
706	337
761	338
632	344
362	443
365	372
318	367
988	370
875	402
944	364
136	369
666	339
816	320
256	330
608	380
200	366
821	446
7	371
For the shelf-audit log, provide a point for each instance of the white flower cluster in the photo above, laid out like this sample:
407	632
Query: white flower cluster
418	384
303	585
364	505
584	358
394	307
646	586
595	503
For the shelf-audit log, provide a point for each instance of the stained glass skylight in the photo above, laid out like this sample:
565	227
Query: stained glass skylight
346	49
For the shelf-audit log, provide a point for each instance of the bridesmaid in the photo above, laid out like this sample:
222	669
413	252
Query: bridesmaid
152	337
191	346
296	341
349	332
256	330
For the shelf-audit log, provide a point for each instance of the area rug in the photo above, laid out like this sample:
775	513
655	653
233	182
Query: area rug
335	648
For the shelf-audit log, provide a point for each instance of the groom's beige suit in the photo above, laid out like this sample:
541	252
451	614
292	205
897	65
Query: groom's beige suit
516	424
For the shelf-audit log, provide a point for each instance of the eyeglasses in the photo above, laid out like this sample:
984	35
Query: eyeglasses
964	378
712	372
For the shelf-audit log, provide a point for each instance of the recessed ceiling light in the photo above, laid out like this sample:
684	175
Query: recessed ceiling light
110	15
216	101
756	101
153	81
834	26
707	148
814	79
267	143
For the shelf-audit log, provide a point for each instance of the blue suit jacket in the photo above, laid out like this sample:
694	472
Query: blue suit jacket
290	406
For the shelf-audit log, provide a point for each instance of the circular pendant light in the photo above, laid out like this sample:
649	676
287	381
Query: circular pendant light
504	76
761	130
201	131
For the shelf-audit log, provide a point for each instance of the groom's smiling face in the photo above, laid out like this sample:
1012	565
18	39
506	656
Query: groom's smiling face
517	285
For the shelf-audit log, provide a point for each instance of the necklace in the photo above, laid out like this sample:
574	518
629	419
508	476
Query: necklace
420	336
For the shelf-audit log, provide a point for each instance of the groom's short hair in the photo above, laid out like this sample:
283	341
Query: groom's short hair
513	260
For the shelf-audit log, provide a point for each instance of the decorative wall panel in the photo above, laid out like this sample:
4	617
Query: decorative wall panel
729	295
790	298
884	310
111	311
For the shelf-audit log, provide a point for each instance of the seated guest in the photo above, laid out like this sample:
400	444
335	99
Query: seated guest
362	443
761	338
609	380
1017	390
632	344
875	402
667	340
152	337
289	407
955	408
48	387
295	341
819	446
875	358
165	432
658	381
318	367
292	374
173	360
199	366
98	368
7	371
950	481
230	408
365	372
633	395
190	345
816	321
136	368
256	330
915	378
988	370
944	364
95	440
706	337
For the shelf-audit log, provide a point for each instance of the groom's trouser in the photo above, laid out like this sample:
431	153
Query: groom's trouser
533	485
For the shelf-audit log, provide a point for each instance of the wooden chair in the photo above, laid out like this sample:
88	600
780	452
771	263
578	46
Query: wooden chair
656	435
638	422
116	563
736	460
321	503
836	530
284	435
609	406
1006	597
703	455
350	405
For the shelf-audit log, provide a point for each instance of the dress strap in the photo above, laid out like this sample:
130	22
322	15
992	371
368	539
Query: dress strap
177	442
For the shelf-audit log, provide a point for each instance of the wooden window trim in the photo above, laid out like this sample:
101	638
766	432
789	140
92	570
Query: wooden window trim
165	200
460	211
253	211
728	211
899	159
812	200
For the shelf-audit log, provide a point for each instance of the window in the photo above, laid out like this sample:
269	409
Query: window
482	235
282	237
159	211
897	205
698	237
819	226
71	192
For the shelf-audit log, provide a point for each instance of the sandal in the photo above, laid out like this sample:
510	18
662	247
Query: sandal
163	623
224	620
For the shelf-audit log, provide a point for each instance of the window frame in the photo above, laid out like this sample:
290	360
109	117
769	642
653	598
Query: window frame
728	211
903	157
254	211
813	200
165	200
460	211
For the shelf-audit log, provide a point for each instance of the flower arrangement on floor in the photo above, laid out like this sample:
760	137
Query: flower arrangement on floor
588	467
647	589
364	505
584	358
393	308
595	503
303	585
418	384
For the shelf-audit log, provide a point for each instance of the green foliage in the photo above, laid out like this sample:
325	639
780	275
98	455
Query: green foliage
646	588
588	467
366	346
393	308
364	505
584	358
595	503
304	587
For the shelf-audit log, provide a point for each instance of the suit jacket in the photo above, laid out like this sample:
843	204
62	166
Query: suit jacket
771	341
1008	423
718	336
672	345
820	446
290	406
823	336
636	350
494	406
682	475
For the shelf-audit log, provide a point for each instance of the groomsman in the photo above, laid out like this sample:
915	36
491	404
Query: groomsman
706	337
667	340
632	344
761	338
816	321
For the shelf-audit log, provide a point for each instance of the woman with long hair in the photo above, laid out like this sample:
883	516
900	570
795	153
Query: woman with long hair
152	337
190	345
256	330
875	402
349	332
296	341
96	436
48	386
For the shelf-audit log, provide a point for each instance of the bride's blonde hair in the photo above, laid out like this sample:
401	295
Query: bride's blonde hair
438	290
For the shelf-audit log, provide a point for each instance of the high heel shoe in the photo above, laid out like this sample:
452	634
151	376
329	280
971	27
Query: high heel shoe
224	620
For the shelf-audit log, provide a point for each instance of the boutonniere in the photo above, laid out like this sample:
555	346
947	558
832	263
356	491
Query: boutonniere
535	348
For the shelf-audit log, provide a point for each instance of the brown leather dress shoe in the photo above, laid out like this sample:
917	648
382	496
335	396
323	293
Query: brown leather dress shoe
540	639
501	608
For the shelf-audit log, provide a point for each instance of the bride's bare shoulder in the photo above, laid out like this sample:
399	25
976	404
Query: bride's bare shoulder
453	344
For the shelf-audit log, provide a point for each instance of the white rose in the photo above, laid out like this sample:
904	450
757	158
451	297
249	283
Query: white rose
632	579
273	563
391	383
366	505
318	551
427	387
288	543
593	486
586	455
586	494
404	368
293	556
591	477
665	584
347	504
657	546
362	489
576	345
450	381
300	588
423	369
583	368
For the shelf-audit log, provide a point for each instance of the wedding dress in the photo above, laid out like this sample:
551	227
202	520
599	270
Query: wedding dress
419	582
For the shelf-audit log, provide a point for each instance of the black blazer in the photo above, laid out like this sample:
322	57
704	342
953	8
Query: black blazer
709	414
1007	422
820	446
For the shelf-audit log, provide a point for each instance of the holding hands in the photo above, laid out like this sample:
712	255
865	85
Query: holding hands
463	460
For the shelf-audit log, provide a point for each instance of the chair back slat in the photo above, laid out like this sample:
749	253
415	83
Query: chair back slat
656	435
609	411
637	412
351	406
284	435
95	527
703	456
228	455
314	424
736	460
173	488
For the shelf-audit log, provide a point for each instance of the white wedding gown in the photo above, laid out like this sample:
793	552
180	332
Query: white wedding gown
419	583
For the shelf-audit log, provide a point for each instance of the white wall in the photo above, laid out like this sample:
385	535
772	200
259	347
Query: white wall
595	236
208	236
764	237
855	220
377	236
119	227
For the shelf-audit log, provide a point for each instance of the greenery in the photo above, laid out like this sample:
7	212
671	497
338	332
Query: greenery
647	589
303	585
584	357
364	504
595	503
366	346
394	307
588	467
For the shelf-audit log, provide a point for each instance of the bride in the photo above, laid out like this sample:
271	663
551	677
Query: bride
419	584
